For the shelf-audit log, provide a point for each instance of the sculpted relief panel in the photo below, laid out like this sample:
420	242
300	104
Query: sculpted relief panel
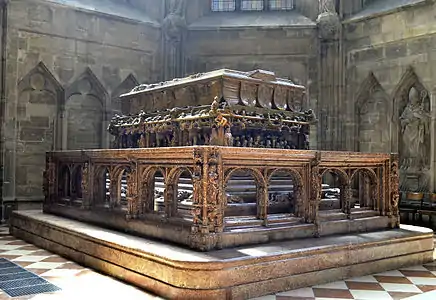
401	125
414	141
415	132
412	137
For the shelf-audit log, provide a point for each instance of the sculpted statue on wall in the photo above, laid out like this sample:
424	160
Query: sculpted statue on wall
415	141
415	129
174	22
328	20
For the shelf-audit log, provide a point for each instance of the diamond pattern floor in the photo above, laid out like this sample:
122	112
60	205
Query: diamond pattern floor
78	282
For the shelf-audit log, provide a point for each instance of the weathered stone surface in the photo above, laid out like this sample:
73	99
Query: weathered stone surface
115	39
66	39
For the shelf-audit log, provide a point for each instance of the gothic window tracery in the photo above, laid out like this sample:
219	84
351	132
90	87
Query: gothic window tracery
223	5
251	5
281	4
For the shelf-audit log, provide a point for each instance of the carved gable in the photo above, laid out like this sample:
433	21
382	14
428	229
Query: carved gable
85	112
372	108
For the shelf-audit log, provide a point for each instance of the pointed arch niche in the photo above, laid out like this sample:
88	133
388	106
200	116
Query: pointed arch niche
119	106
373	127
39	99
86	111
413	131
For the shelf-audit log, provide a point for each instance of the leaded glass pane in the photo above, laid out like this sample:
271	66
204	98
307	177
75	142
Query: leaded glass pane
223	5
252	5
281	4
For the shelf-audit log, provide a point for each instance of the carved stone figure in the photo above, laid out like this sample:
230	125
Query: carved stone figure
85	184
415	131
142	142
214	107
228	138
194	131
218	136
132	193
316	190
395	196
174	22
328	20
197	190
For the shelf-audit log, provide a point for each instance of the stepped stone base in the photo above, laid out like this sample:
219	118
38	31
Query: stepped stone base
238	273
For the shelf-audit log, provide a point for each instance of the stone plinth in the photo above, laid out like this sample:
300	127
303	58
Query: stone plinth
239	273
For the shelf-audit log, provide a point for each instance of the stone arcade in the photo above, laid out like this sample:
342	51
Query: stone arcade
230	175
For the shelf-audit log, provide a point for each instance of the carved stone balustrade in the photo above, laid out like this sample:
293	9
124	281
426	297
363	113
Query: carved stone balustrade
201	197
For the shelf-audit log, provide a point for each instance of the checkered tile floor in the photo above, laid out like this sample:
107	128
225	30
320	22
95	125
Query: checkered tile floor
78	282
399	284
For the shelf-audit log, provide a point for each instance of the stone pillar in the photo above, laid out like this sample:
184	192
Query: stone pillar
106	136
208	199
3	41
330	81
64	129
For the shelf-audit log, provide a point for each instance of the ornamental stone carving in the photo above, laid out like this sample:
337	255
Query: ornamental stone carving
415	121
415	142
394	196
174	22
328	20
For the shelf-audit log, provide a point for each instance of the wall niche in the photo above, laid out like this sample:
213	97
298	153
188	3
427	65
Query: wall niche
373	126
412	140
85	113
39	98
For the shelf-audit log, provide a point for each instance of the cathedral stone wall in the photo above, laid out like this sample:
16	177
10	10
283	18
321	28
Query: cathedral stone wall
369	68
285	42
66	67
290	53
390	61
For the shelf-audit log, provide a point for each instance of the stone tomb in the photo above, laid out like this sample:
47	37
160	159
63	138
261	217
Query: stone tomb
243	272
211	219
224	107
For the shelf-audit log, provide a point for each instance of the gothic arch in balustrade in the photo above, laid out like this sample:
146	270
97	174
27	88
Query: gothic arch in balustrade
298	194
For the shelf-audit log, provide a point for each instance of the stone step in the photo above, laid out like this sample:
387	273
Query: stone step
337	214
242	221
329	204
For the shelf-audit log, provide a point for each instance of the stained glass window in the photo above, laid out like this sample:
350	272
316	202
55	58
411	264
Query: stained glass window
281	4
252	5
223	5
